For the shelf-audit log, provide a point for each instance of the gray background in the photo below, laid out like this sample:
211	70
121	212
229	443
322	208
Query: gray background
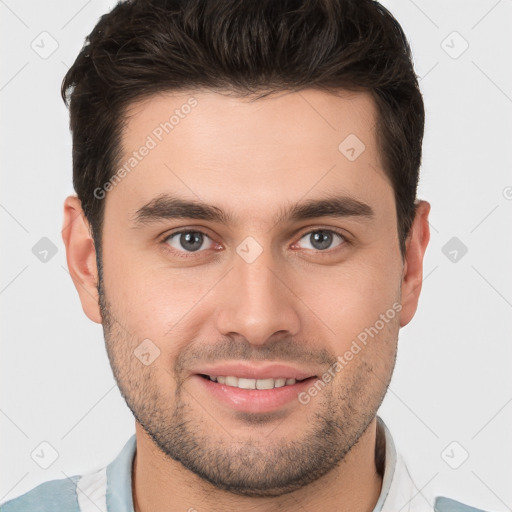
451	393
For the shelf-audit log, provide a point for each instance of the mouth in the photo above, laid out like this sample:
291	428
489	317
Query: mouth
251	395
245	383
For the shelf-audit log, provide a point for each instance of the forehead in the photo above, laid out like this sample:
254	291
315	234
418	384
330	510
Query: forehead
251	155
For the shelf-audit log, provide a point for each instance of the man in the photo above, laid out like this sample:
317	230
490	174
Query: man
246	229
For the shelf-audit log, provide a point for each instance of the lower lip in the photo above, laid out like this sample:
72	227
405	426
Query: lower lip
255	400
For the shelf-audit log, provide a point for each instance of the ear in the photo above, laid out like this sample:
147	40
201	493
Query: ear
412	275
81	257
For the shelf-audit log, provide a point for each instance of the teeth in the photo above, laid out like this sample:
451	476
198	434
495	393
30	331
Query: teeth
280	383
242	383
265	384
231	381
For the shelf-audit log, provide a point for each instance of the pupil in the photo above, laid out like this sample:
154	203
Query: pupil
321	239
191	241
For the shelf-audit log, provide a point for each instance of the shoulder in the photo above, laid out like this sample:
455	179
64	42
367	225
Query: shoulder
443	504
400	492
107	488
47	497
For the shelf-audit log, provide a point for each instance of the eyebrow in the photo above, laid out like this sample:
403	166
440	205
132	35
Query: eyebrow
165	207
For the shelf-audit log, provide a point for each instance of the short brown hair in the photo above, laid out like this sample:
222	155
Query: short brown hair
248	47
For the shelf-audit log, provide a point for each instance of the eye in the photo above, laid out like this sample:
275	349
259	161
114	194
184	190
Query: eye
322	239
188	241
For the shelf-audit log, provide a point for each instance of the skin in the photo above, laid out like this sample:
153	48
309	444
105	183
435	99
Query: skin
292	304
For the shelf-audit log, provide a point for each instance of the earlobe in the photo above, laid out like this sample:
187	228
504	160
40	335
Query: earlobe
81	256
412	276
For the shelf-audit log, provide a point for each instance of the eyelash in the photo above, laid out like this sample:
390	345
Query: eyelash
185	255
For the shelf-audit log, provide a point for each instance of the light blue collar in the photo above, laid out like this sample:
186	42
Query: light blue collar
119	479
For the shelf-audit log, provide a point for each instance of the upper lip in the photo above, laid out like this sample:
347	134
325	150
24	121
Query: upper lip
248	371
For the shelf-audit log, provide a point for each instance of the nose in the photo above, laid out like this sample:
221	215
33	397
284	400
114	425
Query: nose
256	302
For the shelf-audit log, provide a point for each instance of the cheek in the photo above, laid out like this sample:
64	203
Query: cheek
350	299
152	300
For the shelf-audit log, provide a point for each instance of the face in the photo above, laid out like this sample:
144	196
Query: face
252	240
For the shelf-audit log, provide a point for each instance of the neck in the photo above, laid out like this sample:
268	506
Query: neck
160	483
